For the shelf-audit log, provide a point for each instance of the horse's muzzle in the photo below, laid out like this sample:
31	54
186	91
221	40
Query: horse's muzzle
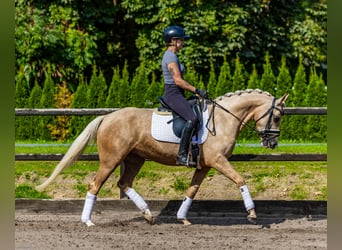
269	138
269	144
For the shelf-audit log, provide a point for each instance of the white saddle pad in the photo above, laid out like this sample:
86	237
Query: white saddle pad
162	131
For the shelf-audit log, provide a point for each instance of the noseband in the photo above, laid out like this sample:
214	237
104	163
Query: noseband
266	134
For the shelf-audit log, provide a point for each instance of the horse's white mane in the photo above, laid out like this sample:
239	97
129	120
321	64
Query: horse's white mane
240	92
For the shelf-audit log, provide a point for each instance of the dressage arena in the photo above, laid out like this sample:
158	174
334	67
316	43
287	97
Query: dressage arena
56	224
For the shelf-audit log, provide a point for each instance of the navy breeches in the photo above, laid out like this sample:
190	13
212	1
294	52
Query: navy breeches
173	96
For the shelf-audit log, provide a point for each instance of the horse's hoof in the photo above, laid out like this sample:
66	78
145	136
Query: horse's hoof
89	223
185	222
148	218
252	219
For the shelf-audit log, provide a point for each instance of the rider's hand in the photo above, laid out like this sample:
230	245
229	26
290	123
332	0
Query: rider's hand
202	93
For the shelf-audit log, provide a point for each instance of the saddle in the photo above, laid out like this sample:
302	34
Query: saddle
178	122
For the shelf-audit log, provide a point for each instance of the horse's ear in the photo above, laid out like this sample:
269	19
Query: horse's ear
282	99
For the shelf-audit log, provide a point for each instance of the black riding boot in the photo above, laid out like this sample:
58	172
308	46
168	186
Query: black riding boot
183	158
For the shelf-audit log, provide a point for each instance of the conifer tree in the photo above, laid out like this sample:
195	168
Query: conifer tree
78	123
268	80
200	85
299	87
316	96
151	96
47	101
113	100
22	95
102	93
49	90
139	86
224	82
96	94
211	86
22	89
253	81
191	77
80	96
284	80
124	92
238	76
296	123
34	121
284	86
313	92
35	96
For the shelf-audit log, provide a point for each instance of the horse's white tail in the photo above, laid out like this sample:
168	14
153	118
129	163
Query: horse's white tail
75	150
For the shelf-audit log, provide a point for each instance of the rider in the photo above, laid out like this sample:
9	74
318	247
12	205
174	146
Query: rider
174	87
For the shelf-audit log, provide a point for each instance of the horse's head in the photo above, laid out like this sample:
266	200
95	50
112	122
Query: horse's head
268	120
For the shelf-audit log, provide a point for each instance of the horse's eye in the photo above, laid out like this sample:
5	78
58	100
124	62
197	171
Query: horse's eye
276	119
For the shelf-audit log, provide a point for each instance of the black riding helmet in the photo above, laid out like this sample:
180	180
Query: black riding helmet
174	31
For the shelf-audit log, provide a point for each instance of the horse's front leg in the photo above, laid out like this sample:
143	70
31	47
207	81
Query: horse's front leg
196	181
223	166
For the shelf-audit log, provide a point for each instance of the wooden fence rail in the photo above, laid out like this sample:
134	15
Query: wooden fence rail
103	111
236	157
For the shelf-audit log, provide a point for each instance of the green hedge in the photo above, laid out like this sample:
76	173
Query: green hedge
141	89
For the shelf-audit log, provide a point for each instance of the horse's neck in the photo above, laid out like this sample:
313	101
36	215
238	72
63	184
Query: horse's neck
241	107
238	106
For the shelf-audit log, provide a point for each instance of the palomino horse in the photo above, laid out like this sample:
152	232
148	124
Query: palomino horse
125	136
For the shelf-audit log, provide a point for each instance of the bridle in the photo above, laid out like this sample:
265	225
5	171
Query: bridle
266	134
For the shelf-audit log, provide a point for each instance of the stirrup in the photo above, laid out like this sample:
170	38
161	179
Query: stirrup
184	160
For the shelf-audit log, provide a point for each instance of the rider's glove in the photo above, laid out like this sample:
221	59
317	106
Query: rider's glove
202	93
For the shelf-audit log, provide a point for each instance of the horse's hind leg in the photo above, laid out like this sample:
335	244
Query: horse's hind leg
196	181
133	164
105	169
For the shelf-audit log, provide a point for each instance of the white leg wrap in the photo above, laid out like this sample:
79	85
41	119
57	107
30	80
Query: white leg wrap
247	199
88	207
137	199
184	208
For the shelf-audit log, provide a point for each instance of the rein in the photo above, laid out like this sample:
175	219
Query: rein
264	133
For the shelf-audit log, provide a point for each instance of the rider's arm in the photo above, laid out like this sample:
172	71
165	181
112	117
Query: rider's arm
177	77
